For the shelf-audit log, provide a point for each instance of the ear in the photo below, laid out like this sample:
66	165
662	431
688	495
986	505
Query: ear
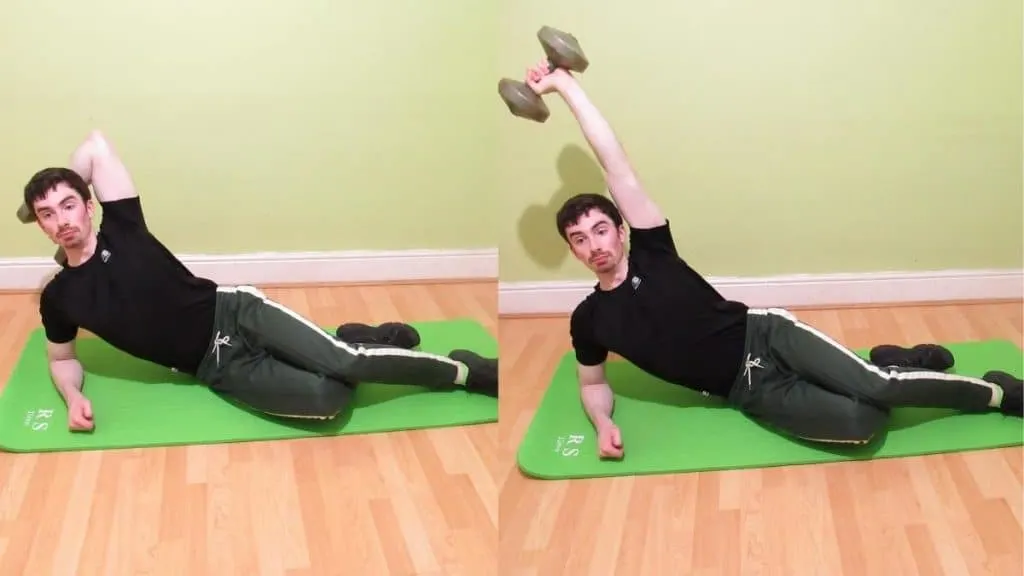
90	207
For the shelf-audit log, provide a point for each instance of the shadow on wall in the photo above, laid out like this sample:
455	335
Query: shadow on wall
579	173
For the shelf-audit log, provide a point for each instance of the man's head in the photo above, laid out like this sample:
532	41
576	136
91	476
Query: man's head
592	226
63	206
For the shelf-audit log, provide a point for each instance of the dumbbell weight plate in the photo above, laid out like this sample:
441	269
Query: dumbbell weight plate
25	214
522	101
562	49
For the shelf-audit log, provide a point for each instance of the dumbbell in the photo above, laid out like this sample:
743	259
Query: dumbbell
26	215
562	51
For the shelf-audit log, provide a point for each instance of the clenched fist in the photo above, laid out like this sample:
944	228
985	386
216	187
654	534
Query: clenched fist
80	415
609	442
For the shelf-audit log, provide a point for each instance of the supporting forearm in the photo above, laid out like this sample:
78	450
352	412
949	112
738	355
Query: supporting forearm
598	402
68	377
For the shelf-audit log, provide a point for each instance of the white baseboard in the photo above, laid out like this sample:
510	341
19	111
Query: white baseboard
297	267
796	290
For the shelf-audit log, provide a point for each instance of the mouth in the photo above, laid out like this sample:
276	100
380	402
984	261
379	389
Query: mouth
599	260
66	235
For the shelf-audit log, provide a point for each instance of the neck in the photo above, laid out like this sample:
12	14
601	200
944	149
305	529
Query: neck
81	253
611	279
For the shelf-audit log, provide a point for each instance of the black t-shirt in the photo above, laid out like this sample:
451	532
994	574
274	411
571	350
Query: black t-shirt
665	318
134	294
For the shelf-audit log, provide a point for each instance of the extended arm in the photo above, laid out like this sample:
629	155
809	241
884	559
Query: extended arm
636	206
65	370
96	161
596	394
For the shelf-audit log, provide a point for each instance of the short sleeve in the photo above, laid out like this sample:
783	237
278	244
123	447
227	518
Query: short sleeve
588	351
58	328
656	240
123	214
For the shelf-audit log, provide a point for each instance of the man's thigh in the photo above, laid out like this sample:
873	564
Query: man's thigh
272	386
805	410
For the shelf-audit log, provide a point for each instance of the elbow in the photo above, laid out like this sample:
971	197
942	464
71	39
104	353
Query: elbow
100	147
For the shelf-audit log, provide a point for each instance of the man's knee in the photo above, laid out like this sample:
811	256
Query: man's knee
328	398
861	423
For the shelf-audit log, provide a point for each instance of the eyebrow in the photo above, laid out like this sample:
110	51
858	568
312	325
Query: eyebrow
592	228
64	200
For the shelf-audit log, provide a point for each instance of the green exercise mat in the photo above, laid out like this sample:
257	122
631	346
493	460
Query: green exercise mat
669	429
136	403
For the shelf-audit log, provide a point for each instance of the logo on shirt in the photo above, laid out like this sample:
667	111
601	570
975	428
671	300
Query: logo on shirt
635	282
105	255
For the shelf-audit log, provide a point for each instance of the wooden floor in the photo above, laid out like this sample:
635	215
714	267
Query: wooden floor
422	502
428	502
953	514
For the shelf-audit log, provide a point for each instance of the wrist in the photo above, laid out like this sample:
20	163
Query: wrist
72	394
569	88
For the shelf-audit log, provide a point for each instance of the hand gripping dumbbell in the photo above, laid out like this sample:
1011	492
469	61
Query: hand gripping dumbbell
562	51
25	216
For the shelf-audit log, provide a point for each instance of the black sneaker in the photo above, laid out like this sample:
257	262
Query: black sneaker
920	357
1012	396
483	372
388	334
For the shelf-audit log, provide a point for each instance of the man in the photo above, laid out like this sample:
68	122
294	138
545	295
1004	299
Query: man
124	286
650	307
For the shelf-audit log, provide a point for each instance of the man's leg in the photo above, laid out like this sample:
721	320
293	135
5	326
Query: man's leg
284	333
819	359
273	387
798	408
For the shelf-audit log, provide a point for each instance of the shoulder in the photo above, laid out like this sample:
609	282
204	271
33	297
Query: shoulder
123	214
654	240
52	288
582	314
51	297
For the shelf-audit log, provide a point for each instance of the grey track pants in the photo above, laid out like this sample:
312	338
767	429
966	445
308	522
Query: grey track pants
800	381
275	361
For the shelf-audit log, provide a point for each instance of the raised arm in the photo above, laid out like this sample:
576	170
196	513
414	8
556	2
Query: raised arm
98	164
629	195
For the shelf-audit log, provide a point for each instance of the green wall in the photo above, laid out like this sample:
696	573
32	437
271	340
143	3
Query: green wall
783	137
780	137
263	126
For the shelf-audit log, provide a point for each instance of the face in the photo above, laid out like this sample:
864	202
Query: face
65	217
597	242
